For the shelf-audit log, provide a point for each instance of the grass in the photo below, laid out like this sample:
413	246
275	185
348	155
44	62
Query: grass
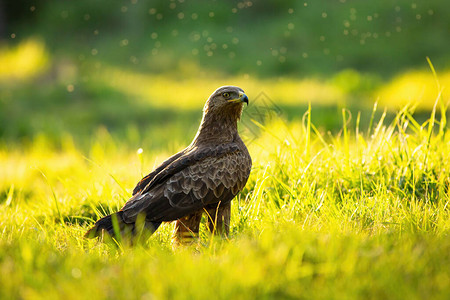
359	214
343	202
340	203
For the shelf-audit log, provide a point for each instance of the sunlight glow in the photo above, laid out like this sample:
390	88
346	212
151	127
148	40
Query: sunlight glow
23	61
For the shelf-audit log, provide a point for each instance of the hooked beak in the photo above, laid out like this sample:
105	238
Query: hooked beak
242	98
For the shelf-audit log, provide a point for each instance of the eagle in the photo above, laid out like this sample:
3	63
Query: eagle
202	178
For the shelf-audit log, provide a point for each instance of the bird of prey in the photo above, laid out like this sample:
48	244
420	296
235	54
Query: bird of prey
204	177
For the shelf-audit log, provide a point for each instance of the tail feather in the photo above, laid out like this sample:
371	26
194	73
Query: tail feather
114	223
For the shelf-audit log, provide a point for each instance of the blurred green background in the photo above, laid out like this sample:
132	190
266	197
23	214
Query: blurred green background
138	71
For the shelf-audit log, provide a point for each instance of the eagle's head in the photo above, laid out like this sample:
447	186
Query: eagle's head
220	115
226	99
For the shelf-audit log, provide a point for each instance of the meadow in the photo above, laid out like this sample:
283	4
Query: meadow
347	126
361	212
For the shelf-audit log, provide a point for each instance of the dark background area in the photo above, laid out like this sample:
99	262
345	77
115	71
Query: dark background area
298	38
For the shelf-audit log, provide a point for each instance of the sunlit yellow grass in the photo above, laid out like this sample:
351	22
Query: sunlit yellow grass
327	214
189	92
415	87
26	59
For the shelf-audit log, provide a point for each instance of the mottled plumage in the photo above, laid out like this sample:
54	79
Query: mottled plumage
204	177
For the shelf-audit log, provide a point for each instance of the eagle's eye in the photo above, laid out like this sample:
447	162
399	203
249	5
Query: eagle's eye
226	95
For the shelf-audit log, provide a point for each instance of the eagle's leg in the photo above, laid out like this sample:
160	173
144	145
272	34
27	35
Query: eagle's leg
186	229
218	218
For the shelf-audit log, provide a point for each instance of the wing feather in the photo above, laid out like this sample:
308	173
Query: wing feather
190	158
144	181
197	178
